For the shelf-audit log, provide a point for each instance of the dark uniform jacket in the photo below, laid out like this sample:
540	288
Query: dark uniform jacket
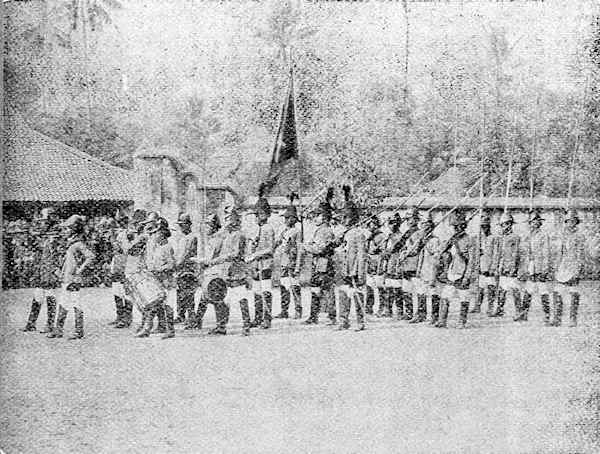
505	261
409	255
353	257
394	247
286	254
375	246
186	248
458	261
489	250
428	260
536	257
264	241
49	262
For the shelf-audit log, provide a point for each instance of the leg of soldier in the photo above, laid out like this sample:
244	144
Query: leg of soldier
285	303
202	306
181	303
359	305
408	306
51	313
344	309
246	323
443	316
500	299
381	295
524	307
267	310
575	297
78	333
147	322
516	295
435	308
370	299
491	297
258	311
329	303
464	310
117	289
546	308
295	293
477	306
421	312
315	304
161	326
399	300
60	322
34	313
169	322
126	310
558	306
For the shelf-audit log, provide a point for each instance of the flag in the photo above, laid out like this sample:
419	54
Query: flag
286	141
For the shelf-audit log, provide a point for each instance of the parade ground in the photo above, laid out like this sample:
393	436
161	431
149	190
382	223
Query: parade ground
497	387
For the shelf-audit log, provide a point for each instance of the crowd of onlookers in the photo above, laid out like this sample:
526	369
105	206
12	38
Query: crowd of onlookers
21	246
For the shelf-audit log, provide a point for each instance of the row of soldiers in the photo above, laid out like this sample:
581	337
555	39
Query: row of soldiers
403	265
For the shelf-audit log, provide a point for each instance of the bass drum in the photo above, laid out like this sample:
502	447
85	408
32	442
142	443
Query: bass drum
214	286
148	288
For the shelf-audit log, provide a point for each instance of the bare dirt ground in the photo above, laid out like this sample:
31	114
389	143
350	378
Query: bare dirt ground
497	387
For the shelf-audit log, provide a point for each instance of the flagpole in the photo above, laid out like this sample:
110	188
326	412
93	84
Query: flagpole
298	163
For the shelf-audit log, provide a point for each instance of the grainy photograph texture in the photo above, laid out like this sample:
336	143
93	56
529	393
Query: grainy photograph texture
300	226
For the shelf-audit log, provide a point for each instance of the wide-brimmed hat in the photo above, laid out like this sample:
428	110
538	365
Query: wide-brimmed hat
184	219
161	224
535	215
74	222
291	211
213	222
572	215
485	219
506	218
152	216
262	204
457	218
426	218
412	213
138	216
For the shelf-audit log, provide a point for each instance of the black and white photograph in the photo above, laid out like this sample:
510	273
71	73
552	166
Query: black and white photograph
300	226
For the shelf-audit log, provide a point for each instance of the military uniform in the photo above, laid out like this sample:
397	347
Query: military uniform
506	264
488	249
392	294
458	261
286	253
375	280
570	260
535	268
186	247
406	264
426	284
353	277
78	257
47	281
123	300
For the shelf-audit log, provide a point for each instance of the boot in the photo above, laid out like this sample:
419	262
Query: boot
344	311
60	323
546	309
421	313
34	313
285	303
388	304
408	306
477	306
169	322
558	307
147	322
491	298
464	310
518	305
383	302
574	309
315	304
161	326
443	317
360	316
78	334
181	310
118	310
435	309
399	299
524	308
501	298
267	310
202	306
370	300
258	312
222	313
51	311
297	301
143	322
126	315
245	317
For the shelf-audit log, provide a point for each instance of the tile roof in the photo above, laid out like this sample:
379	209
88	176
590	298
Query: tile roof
39	168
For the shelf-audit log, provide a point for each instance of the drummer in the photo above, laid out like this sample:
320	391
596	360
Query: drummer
214	238
186	247
160	261
261	259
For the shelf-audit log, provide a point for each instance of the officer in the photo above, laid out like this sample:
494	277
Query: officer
375	280
287	253
535	267
186	247
458	259
392	284
426	284
353	268
506	265
48	267
261	258
488	248
570	261
321	247
78	258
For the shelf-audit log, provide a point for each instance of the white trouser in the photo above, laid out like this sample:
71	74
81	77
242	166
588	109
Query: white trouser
118	289
509	283
425	288
407	285
259	287
565	291
69	298
393	283
486	281
454	294
40	294
236	294
537	288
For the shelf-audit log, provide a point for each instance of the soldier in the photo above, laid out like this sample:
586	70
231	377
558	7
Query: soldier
214	237
426	277
261	257
321	247
287	252
569	267
458	262
353	269
149	224
488	248
123	299
231	258
48	267
505	264
393	274
535	267
78	258
186	248
160	261
375	279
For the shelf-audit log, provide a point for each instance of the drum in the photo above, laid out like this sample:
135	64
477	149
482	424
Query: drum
148	288
214	285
